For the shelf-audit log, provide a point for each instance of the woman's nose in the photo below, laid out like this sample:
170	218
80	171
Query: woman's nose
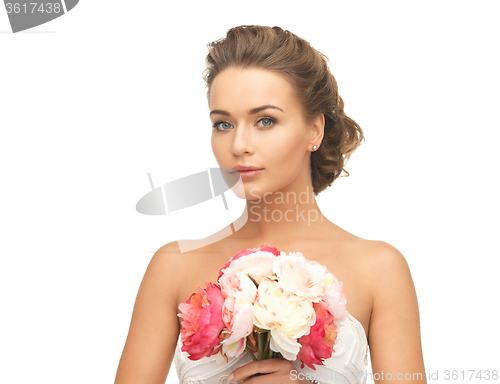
242	140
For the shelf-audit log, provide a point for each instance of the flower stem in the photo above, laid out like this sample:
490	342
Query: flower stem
260	344
250	353
267	350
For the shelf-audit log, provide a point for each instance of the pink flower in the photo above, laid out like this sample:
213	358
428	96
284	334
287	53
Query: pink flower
239	294
202	325
335	299
318	344
245	252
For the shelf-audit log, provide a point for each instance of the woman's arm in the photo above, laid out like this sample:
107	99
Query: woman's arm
150	345
394	333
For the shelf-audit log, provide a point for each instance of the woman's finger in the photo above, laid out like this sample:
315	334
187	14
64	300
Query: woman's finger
246	371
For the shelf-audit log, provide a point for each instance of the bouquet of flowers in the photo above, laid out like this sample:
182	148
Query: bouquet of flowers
266	303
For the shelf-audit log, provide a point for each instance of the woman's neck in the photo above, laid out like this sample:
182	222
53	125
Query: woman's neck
282	215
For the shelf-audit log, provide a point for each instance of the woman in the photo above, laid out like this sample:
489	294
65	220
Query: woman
275	108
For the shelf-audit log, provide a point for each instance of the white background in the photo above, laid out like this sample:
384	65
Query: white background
93	101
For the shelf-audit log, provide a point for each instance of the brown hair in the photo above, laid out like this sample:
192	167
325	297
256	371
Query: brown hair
307	69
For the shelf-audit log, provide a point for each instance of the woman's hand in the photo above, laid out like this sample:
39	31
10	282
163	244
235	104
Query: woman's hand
275	371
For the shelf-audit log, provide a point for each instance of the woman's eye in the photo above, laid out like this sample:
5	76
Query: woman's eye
223	124
267	122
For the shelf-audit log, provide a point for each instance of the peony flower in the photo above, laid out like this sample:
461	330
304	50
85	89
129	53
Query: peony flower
237	256
287	315
239	294
245	252
202	324
300	276
255	265
335	299
318	344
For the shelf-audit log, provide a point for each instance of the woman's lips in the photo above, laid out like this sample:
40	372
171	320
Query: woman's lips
247	174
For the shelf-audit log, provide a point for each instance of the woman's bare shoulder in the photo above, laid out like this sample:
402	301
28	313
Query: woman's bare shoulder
372	260
187	270
367	252
377	258
384	269
383	258
171	255
167	262
172	270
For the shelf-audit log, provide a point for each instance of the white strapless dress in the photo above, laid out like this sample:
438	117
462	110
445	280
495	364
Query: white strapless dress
348	364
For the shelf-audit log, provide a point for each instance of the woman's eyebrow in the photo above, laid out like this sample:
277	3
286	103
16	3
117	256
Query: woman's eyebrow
250	112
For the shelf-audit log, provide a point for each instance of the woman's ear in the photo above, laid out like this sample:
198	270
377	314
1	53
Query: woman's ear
318	130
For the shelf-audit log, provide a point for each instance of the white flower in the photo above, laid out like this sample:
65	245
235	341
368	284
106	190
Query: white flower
257	265
299	275
287	315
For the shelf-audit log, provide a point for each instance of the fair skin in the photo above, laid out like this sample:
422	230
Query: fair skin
376	278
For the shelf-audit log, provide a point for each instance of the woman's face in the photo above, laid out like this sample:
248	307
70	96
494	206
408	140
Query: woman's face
258	120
